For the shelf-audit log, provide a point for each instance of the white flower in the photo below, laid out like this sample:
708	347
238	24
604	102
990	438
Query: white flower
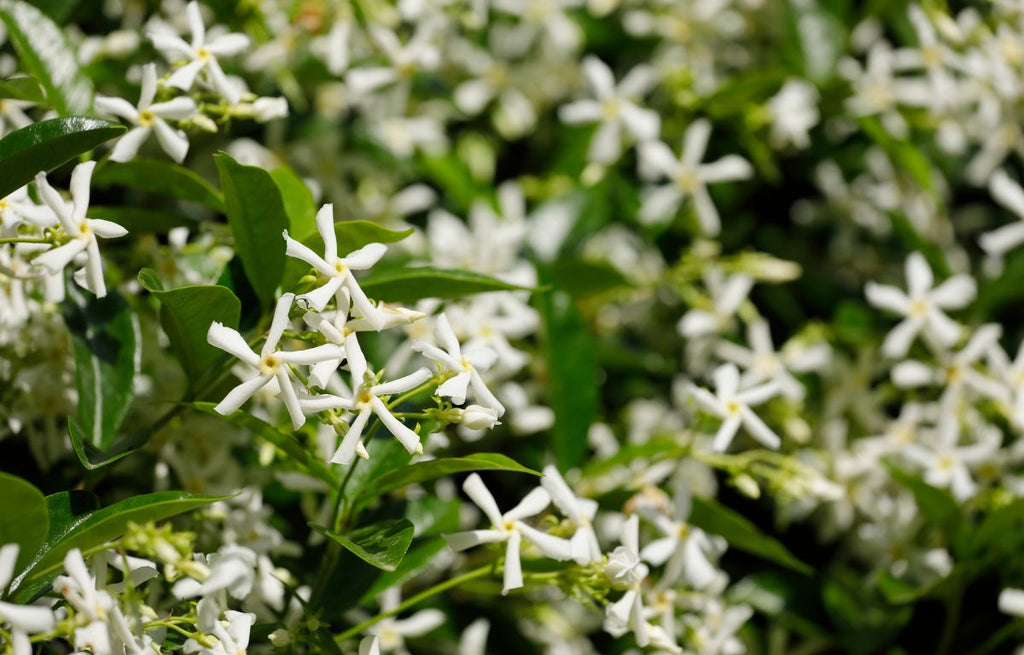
271	364
82	231
465	366
1011	601
231	569
686	548
231	635
22	619
418	54
509	527
391	632
732	404
581	511
626	568
81	590
476	417
761	362
338	270
200	55
614	108
147	118
947	464
688	177
727	294
922	306
1009	194
794	111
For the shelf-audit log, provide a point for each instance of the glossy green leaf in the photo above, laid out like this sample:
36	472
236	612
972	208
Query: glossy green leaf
106	345
298	453
25	520
741	534
382	544
572	376
415	561
411	284
257	218
351	235
298	202
47	54
22	88
46	145
438	468
74	523
186	314
163	177
94	457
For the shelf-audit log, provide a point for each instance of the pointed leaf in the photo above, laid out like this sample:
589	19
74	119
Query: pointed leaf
437	468
741	534
382	544
162	177
25	520
298	202
411	284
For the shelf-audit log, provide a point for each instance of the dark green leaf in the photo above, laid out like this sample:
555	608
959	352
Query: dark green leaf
73	525
412	284
142	219
257	217
46	145
22	88
24	520
186	314
437	468
162	177
937	505
382	544
298	202
46	52
106	346
572	376
94	457
741	534
418	558
351	235
582	278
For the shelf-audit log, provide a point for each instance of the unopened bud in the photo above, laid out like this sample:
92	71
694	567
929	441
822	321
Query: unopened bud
280	637
476	417
746	485
267	109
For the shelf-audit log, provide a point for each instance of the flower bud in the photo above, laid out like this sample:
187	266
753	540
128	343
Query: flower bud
267	109
476	417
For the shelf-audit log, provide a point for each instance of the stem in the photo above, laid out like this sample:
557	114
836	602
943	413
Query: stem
412	392
333	552
953	605
25	240
414	600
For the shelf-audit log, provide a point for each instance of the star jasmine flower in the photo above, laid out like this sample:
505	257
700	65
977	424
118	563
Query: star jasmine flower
148	117
581	511
947	464
688	177
1010	195
22	619
201	55
1011	601
614	108
338	270
761	362
418	54
794	111
686	548
81	231
391	633
509	528
82	590
271	364
625	568
732	405
922	306
727	294
231	635
465	366
369	399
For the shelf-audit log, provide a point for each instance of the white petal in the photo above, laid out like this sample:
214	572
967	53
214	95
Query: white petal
955	292
1007	192
174	142
725	434
919	275
365	257
898	341
599	76
757	429
513	577
409	439
128	145
402	384
887	297
532	504
455	388
185	77
554	547
345	454
477	491
325	226
695	142
231	341
243	392
279	323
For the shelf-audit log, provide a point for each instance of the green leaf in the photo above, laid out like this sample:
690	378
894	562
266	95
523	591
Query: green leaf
351	235
257	218
1001	532
186	314
382	544
937	505
46	145
742	534
75	526
437	468
418	558
296	451
94	457
411	284
46	52
25	520
582	278
142	219
298	202
156	176
572	376
22	88
106	345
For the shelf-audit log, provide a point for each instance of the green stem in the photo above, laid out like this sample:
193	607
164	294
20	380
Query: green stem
414	600
25	240
953	605
333	553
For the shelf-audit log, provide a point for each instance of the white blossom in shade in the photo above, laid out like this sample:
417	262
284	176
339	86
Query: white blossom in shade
474	638
391	632
465	366
271	364
614	108
81	231
688	177
509	528
1010	195
492	80
732	405
715	627
761	362
1011	601
794	111
232	569
947	464
419	53
626	569
148	117
878	92
921	305
727	294
338	270
956	372
581	511
685	548
369	398
334	326
81	590
1011	374
230	634
23	620
13	116
18	209
333	47
200	55
369	645
477	417
267	109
